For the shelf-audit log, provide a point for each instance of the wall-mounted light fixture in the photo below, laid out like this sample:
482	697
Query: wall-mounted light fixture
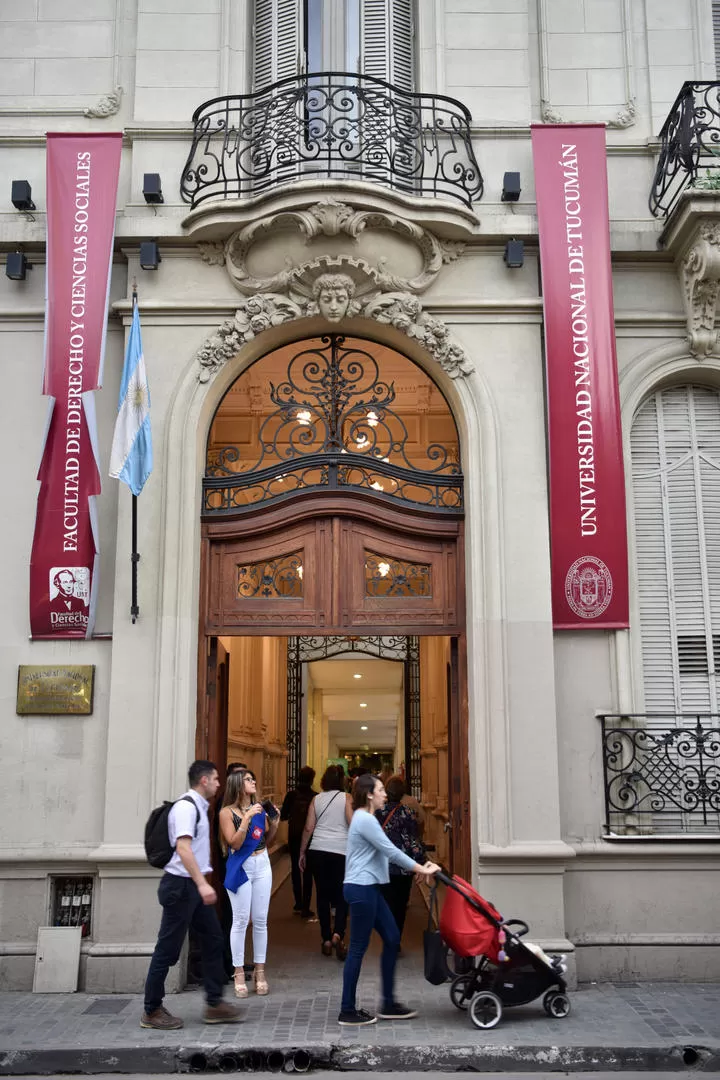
511	187
152	188
514	254
17	266
21	195
150	257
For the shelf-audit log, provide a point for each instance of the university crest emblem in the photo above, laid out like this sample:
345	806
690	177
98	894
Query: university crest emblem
588	587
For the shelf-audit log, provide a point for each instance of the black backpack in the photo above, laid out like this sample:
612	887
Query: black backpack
158	849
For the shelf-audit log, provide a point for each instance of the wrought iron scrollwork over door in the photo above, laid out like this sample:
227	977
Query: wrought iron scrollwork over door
403	649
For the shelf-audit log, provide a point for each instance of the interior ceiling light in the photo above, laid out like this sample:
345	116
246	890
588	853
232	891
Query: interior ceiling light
377	486
356	676
363	704
383	569
363	727
303	416
372	419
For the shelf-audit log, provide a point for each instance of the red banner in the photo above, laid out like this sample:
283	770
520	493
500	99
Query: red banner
587	480
82	179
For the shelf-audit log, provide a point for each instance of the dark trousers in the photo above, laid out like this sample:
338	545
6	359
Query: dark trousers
368	912
328	871
183	909
302	881
397	897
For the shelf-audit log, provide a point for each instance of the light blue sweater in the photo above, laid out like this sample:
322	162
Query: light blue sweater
369	852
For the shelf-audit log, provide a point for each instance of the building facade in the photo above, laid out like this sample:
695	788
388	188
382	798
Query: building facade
342	194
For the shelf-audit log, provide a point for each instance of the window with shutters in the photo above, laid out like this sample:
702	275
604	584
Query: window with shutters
368	37
675	445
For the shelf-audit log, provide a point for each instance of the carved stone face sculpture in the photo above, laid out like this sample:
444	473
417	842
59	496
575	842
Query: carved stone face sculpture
333	293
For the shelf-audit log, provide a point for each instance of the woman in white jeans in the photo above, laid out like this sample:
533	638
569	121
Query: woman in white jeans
244	819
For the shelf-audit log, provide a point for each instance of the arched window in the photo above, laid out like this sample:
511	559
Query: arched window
368	37
675	444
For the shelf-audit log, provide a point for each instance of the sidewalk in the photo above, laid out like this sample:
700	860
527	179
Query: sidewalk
612	1027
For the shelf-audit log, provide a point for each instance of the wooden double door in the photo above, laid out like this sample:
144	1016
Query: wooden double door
337	566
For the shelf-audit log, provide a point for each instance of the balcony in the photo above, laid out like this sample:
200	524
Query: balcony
331	126
662	775
690	146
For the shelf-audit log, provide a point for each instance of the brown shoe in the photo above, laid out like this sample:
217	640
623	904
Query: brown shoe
222	1013
161	1020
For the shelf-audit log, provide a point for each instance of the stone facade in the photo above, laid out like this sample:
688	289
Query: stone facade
426	277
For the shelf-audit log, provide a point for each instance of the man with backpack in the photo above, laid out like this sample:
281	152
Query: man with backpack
295	811
180	834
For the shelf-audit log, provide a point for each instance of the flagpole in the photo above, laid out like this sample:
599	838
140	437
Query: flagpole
134	556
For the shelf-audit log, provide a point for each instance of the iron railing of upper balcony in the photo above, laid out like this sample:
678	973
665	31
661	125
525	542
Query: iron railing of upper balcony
662	774
690	146
334	126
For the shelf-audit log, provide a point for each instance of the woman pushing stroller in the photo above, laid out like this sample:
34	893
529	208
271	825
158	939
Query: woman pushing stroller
368	855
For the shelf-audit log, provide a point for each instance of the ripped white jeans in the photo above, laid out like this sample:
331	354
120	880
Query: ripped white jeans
251	901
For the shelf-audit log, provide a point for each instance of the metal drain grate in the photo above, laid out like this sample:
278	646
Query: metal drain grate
106	1006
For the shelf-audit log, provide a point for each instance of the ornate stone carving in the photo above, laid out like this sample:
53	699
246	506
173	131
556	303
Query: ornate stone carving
330	218
333	297
256	314
212	253
314	289
626	117
700	277
108	105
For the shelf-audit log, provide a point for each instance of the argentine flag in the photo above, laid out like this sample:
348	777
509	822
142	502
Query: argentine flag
131	457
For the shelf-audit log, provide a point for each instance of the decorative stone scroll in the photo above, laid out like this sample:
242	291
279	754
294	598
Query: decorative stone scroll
317	289
108	105
700	278
329	218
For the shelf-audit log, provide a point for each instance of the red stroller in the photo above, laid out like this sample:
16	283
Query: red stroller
493	967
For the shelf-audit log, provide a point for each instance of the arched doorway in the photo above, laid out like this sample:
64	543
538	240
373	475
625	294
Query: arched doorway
333	508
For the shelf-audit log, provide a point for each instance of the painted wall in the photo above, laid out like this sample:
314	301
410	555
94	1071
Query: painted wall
87	784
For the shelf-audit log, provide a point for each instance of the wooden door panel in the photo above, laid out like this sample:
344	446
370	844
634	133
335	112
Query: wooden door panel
396	581
271	582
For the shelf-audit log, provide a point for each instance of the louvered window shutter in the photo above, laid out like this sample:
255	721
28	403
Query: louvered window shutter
675	445
387	41
716	34
277	35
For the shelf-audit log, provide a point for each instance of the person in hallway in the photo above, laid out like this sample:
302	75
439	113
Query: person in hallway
325	834
400	826
369	853
247	828
188	900
294	810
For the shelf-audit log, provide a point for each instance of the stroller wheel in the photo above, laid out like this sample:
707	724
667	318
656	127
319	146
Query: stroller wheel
485	1009
556	1004
460	991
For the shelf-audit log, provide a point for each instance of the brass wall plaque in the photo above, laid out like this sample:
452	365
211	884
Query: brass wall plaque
62	690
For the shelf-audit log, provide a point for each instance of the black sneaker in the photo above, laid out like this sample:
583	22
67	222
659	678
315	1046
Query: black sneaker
356	1018
396	1012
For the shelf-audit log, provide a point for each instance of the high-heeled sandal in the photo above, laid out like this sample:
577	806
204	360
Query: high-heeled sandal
261	986
241	990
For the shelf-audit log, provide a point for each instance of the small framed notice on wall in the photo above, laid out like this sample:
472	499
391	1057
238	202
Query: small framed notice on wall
60	690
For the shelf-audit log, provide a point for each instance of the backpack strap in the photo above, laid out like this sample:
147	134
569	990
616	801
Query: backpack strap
189	798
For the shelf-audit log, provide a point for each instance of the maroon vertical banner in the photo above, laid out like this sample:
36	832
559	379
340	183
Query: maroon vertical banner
82	179
587	480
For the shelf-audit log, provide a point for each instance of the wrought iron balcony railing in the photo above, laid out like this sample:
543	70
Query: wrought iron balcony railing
690	143
332	125
662	774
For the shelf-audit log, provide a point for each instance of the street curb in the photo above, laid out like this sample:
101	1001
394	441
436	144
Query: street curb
213	1058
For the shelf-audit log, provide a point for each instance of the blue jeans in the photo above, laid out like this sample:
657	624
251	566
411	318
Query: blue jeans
368	912
183	908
